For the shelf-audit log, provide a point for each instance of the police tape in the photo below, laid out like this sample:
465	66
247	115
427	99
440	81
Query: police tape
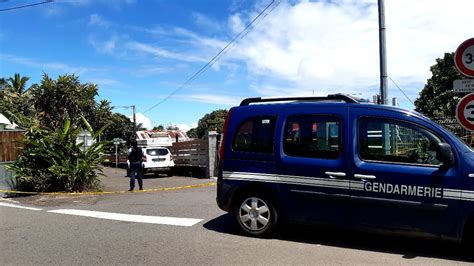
209	184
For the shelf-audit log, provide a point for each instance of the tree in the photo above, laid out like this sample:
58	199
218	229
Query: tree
17	83
66	97
52	160
172	127
3	84
437	98
213	121
16	103
192	133
159	128
101	115
120	127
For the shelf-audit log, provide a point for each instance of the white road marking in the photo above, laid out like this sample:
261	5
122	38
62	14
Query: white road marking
18	206
130	217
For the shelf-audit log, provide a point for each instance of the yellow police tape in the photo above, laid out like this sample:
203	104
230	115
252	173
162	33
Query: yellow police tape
110	192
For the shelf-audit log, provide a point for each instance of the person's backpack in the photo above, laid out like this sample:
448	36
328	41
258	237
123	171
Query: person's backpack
136	155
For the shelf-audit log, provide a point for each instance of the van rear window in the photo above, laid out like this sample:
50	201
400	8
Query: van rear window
255	135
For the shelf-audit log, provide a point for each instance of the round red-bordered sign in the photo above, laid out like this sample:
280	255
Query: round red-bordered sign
464	58
465	112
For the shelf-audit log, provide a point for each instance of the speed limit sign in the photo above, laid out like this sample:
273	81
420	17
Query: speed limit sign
464	58
465	112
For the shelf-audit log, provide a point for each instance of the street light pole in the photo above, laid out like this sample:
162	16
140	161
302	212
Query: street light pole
383	53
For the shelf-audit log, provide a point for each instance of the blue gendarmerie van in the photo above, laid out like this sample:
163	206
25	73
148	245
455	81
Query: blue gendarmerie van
333	160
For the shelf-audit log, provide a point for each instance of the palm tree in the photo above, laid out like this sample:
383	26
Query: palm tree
18	83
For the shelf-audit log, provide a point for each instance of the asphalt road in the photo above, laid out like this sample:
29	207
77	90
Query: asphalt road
42	237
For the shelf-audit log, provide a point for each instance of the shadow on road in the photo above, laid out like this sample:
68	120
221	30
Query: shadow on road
407	248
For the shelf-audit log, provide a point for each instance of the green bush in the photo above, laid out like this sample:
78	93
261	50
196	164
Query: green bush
55	161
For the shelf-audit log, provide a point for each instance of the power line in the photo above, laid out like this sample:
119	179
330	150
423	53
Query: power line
408	98
239	36
25	6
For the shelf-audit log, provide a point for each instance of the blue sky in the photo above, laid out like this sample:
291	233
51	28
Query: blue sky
138	52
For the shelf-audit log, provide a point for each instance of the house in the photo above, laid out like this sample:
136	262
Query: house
160	138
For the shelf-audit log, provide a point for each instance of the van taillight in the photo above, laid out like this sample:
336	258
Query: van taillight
224	133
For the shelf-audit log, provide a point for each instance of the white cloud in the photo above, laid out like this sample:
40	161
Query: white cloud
104	81
160	52
104	46
205	22
212	98
142	119
333	45
46	66
97	20
235	23
150	70
79	2
112	3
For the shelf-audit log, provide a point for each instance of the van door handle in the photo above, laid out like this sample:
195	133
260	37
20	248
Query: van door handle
335	174
365	176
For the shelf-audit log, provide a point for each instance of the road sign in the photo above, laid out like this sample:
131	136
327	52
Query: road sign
463	85
465	112
464	58
118	141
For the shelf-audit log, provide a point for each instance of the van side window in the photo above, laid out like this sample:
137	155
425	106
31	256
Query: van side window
255	135
394	141
312	136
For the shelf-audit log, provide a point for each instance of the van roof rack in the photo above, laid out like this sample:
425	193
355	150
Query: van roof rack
337	97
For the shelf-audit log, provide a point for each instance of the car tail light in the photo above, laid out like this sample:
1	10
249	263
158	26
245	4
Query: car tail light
224	133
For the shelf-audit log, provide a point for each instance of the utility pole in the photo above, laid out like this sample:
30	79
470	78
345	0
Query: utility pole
383	53
134	119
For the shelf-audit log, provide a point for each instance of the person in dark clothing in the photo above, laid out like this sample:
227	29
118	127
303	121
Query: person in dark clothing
135	157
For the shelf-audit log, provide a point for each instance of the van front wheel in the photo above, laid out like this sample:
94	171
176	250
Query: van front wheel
256	216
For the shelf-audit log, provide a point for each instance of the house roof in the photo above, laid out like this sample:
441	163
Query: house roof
146	134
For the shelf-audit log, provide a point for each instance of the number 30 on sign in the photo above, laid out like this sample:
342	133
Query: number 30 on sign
464	58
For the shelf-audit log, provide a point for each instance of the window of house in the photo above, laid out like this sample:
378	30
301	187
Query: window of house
312	136
255	135
394	141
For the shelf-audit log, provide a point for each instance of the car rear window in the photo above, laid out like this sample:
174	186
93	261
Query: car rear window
156	152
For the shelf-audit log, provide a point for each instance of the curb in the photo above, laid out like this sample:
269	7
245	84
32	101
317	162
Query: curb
5	192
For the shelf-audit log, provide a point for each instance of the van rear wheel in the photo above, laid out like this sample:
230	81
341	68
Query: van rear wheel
256	215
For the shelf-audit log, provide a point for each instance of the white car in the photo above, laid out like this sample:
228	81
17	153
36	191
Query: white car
158	160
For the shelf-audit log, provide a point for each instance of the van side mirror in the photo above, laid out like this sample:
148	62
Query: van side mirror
444	154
